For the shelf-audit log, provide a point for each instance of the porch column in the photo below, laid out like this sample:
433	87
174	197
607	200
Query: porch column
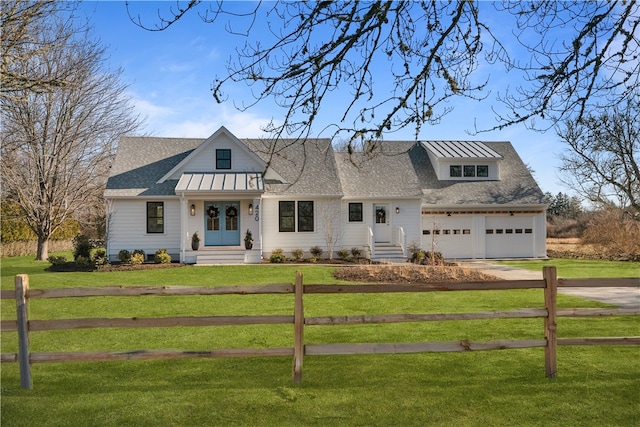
184	213
257	216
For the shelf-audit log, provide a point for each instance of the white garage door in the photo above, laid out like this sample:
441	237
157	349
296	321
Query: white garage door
509	236
450	235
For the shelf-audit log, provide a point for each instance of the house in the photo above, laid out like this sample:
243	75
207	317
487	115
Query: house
466	199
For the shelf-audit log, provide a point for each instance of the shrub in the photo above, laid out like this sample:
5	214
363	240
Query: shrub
356	252
415	250
298	254
81	247
141	252
316	251
343	254
137	258
83	261
57	260
417	254
433	258
277	256
100	257
162	257
124	256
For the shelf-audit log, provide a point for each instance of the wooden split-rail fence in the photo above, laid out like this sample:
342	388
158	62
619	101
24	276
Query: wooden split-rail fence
549	340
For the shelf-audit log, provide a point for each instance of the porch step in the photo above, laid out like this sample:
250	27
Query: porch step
220	257
387	253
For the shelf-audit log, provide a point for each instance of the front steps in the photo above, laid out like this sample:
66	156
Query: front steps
227	257
388	253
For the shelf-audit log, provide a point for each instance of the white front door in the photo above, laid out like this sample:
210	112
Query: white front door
381	227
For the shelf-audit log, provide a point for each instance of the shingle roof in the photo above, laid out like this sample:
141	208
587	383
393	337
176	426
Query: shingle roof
402	170
141	161
307	168
387	173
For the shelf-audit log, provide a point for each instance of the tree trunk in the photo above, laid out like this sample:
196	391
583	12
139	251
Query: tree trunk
43	249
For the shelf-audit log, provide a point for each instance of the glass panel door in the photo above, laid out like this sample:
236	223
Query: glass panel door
222	223
381	229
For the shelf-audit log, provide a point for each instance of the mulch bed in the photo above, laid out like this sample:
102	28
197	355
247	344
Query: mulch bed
72	266
411	273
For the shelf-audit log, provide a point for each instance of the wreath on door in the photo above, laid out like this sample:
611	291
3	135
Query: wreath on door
213	211
232	211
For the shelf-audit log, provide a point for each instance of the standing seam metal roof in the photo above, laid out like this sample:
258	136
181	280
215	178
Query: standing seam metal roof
460	149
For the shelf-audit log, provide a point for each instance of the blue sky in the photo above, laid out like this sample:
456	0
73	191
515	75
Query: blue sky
170	75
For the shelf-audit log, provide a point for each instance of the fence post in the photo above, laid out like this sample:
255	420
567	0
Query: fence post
22	311
298	330
550	329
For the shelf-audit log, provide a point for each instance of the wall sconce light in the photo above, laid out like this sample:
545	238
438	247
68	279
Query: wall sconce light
250	208
193	210
448	213
397	210
510	213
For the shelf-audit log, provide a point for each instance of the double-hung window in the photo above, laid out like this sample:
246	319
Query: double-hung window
287	216
355	212
290	211
155	217
223	158
305	216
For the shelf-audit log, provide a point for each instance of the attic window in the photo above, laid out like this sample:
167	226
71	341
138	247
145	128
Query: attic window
223	158
483	171
455	171
469	171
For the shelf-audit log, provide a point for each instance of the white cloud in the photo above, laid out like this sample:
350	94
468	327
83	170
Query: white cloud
148	109
191	118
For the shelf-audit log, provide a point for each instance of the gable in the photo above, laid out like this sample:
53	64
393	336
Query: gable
222	152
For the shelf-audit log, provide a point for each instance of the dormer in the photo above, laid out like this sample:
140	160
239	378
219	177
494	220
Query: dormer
463	160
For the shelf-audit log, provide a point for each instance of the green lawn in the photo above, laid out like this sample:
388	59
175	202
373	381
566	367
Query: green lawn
582	268
596	386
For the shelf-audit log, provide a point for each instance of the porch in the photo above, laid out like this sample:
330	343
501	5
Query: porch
222	208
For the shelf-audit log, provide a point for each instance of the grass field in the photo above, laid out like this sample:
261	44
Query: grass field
582	268
595	386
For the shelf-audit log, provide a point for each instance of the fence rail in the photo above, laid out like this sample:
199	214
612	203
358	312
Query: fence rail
23	325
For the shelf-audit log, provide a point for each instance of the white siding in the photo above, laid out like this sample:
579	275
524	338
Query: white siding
356	233
241	160
325	211
128	228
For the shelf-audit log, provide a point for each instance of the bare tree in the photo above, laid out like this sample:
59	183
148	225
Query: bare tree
327	54
25	36
331	224
603	158
57	141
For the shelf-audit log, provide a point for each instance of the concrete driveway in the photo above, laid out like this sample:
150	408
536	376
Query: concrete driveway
622	297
